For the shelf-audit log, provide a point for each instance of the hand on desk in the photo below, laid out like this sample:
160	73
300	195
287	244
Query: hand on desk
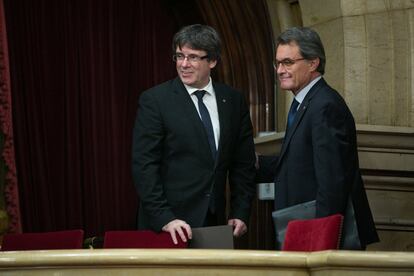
180	227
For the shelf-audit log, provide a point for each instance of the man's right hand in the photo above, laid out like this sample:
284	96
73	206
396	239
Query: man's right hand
179	227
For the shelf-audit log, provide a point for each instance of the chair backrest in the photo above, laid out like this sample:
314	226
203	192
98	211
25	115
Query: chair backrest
70	239
140	239
314	234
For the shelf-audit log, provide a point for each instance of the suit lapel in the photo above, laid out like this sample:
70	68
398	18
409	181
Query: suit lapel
298	118
223	108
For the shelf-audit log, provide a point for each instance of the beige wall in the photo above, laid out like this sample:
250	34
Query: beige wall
369	47
370	54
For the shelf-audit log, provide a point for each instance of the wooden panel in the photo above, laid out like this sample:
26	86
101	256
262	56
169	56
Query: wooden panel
247	54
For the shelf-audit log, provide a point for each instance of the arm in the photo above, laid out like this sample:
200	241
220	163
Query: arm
265	171
332	147
147	158
242	174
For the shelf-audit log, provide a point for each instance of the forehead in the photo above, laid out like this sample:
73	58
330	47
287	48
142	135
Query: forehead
290	50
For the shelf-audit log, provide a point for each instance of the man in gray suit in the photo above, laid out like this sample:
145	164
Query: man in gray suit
191	135
319	157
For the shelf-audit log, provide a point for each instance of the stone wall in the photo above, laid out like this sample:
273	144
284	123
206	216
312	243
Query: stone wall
370	61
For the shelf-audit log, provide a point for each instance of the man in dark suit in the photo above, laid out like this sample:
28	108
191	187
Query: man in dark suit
319	157
190	135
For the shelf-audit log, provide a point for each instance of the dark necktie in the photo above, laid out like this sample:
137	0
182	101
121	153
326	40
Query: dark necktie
292	112
205	118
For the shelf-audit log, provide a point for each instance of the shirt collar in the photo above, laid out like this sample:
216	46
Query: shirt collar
208	88
302	93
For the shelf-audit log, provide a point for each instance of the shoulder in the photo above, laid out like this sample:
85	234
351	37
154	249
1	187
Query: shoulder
329	102
159	89
226	91
163	93
326	95
226	88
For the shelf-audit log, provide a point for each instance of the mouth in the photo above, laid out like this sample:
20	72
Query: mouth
186	72
282	79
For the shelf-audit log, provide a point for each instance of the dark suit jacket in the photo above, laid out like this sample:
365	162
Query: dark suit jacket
173	168
319	160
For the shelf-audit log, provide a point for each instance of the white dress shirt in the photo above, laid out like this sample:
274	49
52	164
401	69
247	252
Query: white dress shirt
210	102
302	93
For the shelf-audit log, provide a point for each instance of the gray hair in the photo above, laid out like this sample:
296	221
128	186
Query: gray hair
199	37
309	42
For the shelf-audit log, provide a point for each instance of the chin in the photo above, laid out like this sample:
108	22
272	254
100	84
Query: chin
186	81
286	87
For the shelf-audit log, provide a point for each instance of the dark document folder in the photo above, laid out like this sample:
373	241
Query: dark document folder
212	237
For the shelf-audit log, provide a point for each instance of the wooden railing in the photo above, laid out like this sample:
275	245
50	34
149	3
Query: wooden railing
203	262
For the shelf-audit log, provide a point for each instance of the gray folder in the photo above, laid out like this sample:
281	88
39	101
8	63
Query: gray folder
212	237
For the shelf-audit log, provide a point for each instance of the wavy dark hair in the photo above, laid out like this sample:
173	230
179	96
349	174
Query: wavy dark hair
199	37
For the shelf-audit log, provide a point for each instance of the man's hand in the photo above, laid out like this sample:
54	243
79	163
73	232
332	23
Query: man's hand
180	227
239	227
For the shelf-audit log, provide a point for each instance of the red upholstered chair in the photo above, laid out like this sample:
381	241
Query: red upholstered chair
140	239
70	239
313	234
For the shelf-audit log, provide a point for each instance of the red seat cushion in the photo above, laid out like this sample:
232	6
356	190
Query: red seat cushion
140	239
70	239
313	234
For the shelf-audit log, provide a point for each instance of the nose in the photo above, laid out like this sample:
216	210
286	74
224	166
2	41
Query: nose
185	62
280	68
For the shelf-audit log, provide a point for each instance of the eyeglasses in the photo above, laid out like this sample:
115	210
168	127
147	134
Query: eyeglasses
287	62
179	57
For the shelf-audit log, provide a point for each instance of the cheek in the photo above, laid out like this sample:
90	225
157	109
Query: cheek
301	79
198	73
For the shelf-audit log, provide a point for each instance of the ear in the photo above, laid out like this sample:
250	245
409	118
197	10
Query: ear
314	63
212	63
